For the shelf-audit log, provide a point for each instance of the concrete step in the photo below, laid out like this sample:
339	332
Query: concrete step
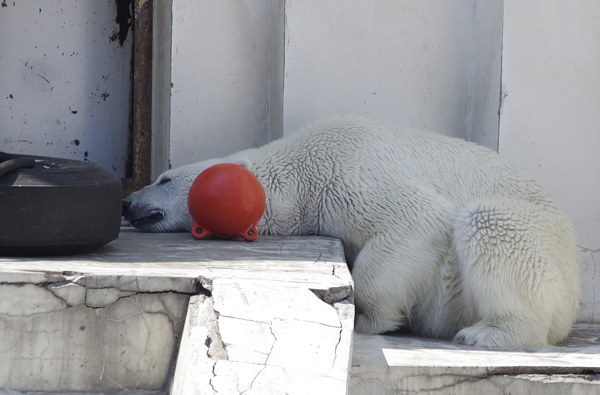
404	364
165	313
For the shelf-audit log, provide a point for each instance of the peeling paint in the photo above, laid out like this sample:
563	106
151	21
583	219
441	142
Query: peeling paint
123	20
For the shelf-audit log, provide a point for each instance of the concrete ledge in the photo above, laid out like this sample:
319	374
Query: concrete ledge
267	317
405	364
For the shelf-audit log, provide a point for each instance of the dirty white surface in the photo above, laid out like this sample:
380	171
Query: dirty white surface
237	49
65	89
267	317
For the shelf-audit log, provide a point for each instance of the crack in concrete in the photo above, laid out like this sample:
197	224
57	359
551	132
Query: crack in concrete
283	319
214	375
585	249
400	382
245	319
266	361
67	304
465	379
335	351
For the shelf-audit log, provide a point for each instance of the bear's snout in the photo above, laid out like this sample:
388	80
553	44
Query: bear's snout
126	204
142	216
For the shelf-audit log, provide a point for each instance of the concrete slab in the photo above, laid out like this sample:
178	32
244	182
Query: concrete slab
406	364
175	261
268	317
165	313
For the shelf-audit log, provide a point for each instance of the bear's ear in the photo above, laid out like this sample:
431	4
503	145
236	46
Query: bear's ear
244	162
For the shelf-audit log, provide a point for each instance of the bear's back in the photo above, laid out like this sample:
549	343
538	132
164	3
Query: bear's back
361	149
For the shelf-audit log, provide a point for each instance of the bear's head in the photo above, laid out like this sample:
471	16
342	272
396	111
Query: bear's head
162	206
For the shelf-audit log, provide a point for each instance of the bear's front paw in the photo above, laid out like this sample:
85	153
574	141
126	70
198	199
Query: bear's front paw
469	336
488	335
506	333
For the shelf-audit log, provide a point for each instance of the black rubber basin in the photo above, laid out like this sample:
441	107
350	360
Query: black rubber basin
51	206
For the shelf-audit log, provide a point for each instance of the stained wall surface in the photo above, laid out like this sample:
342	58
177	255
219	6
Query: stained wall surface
65	80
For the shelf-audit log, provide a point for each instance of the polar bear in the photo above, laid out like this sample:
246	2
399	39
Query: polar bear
442	236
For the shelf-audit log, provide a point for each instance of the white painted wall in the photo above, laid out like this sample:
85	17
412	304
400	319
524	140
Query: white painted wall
406	62
162	21
432	65
65	81
550	120
482	122
225	75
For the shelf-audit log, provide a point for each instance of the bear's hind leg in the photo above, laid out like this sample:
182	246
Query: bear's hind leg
518	268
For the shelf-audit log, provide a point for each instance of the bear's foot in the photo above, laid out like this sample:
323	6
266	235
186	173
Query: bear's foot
503	333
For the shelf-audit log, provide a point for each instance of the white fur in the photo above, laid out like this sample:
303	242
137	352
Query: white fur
442	235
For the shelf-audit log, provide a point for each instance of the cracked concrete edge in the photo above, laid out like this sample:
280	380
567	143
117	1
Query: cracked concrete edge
202	350
125	283
146	284
71	295
490	384
199	350
346	313
206	283
332	295
26	277
207	316
74	295
366	381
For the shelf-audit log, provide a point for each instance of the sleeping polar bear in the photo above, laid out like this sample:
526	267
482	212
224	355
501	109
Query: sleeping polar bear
442	236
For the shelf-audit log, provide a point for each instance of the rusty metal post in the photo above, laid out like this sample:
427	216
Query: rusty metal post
142	97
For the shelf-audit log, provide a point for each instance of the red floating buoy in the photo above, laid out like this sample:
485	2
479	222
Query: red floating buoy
226	200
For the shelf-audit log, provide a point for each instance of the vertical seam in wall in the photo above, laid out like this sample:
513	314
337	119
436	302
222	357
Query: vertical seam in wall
283	69
471	73
269	72
275	90
501	93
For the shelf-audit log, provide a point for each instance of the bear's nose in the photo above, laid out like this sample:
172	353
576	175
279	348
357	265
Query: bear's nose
126	204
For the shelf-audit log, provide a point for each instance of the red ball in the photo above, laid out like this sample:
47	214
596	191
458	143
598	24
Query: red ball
226	200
